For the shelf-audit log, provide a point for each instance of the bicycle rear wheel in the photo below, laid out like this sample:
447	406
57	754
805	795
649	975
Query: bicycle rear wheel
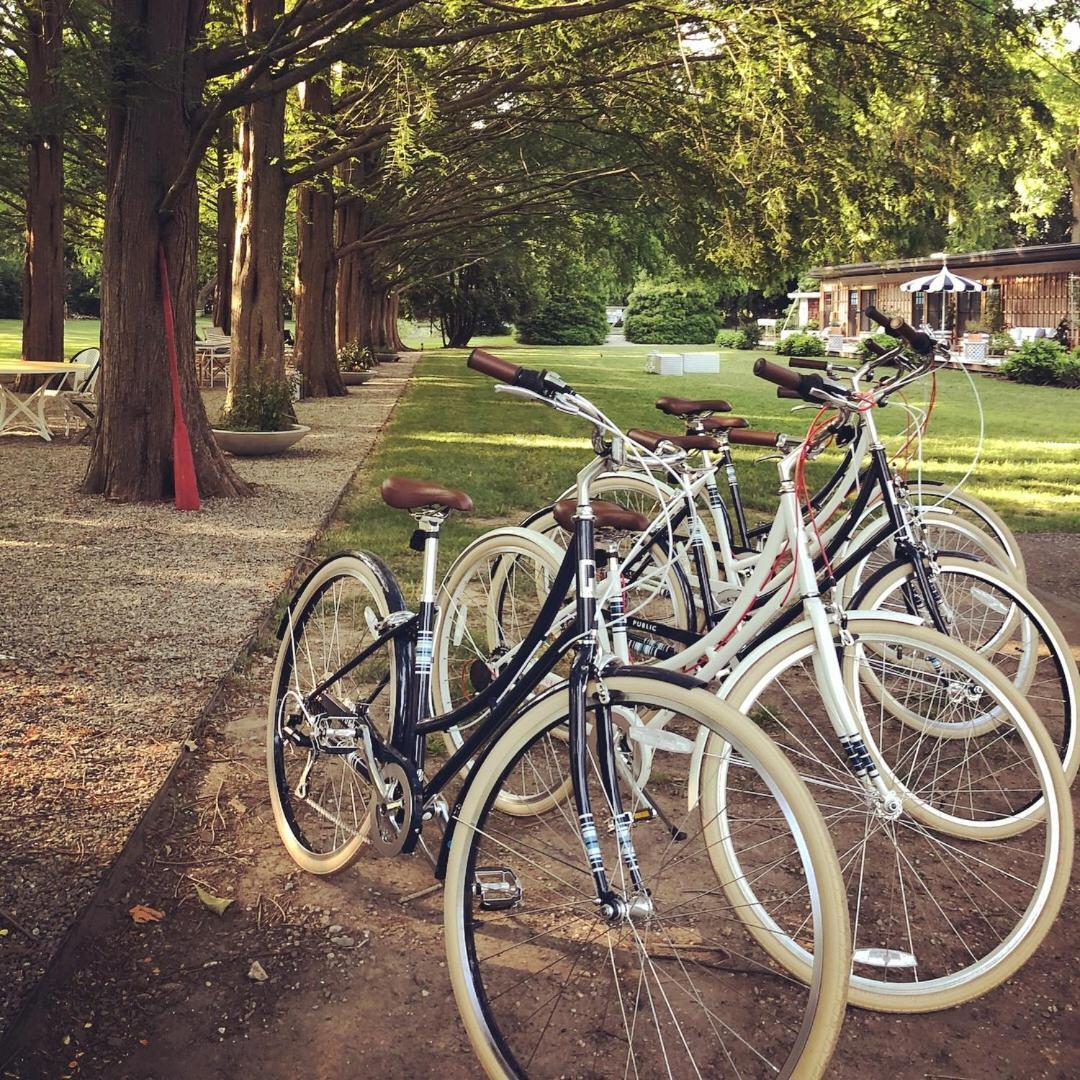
680	988
319	789
1003	622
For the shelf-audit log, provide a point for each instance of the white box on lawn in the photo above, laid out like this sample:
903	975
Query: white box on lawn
701	363
664	363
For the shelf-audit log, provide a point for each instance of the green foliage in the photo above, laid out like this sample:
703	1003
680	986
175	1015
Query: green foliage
1039	363
801	345
810	324
886	341
355	357
993	317
260	407
1069	370
1001	344
566	317
10	289
746	336
672	313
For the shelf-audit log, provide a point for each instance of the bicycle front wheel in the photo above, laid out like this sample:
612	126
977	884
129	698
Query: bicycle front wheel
680	987
952	890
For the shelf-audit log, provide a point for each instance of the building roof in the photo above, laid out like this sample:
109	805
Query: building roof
1013	256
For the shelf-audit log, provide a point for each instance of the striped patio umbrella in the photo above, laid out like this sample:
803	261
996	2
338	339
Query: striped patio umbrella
943	281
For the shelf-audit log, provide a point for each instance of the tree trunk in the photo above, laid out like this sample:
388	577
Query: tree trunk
149	135
316	271
225	200
43	267
257	327
349	299
378	308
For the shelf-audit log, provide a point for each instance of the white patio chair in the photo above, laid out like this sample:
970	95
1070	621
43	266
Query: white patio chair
75	391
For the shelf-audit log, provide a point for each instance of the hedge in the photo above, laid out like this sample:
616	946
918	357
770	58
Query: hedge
565	318
801	345
672	313
1043	363
745	337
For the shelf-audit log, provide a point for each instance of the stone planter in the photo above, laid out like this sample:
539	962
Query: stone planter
357	378
259	443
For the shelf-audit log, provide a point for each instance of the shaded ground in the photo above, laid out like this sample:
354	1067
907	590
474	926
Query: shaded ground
116	626
356	982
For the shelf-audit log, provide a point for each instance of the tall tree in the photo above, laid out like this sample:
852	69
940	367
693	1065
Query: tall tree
151	134
162	120
225	227
316	268
43	274
257	327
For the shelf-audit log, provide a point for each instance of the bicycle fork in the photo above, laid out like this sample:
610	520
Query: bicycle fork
827	672
613	906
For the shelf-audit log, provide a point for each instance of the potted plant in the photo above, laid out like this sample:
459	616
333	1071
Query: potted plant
357	364
260	420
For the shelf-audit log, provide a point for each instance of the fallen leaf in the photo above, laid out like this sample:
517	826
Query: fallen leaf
140	913
216	904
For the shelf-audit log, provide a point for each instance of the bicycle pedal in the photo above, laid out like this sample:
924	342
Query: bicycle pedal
889	959
496	887
639	817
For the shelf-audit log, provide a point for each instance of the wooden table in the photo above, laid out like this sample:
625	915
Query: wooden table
12	407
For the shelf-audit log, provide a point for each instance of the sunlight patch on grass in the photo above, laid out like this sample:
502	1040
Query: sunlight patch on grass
528	442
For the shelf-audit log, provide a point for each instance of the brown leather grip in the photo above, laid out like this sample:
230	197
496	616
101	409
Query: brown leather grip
494	366
808	363
753	438
774	373
792	395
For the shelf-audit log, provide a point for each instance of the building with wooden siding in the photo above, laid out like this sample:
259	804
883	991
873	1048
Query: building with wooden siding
1035	287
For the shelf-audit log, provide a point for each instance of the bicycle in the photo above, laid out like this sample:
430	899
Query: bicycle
574	932
998	779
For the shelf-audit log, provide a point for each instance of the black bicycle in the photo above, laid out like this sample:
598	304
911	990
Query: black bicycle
587	930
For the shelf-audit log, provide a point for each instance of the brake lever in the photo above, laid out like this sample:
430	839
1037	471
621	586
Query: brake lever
560	403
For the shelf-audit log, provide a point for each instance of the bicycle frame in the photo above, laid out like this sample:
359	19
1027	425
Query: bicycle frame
413	637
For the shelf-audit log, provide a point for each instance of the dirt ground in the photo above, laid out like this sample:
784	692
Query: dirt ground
117	625
356	983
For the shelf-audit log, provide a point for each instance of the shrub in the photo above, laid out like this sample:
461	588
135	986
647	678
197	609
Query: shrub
801	345
1001	343
672	313
745	337
355	357
886	341
811	324
260	407
565	318
1037	363
1069	370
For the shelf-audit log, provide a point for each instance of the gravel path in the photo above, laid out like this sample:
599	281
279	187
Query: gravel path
117	624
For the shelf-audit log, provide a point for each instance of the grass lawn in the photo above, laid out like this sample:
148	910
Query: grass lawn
512	456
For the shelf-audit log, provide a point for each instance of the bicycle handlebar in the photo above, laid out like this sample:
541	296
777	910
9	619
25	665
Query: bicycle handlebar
922	343
752	437
804	386
782	376
494	366
790	395
809	363
545	383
